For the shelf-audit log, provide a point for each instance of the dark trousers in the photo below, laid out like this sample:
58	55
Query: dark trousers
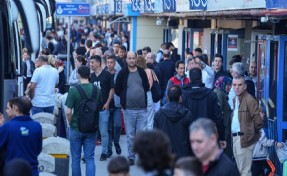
262	168
114	128
26	82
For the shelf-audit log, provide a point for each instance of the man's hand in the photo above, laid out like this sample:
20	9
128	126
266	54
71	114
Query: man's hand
2	119
106	106
223	144
279	144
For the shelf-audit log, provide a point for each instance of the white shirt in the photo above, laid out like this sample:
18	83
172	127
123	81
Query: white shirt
235	125
208	76
29	72
46	78
231	96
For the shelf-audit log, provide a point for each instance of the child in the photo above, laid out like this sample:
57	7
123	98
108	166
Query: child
118	166
262	165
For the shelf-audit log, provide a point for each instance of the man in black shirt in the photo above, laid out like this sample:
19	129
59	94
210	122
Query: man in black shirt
104	81
115	119
81	50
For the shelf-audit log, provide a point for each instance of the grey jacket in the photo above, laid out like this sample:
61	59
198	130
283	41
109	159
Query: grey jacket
260	151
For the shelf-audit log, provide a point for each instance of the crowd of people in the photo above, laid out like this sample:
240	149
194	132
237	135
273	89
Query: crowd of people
182	116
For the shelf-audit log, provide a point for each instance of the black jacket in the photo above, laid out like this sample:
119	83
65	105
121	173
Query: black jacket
203	102
174	119
222	166
24	67
167	70
122	82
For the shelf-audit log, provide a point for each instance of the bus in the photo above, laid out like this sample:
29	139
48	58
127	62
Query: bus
33	15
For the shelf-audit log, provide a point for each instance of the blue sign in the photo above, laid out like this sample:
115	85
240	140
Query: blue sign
276	4
72	9
136	5
197	4
149	6
118	6
169	6
107	8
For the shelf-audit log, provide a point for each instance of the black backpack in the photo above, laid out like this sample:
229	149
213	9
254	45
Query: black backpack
89	111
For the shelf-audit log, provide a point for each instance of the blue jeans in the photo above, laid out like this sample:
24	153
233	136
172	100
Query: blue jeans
135	121
88	142
103	125
49	109
115	124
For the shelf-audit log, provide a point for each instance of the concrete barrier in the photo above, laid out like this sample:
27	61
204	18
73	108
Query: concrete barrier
48	130
56	146
44	117
46	163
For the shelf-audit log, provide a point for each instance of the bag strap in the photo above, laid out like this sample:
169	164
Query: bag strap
81	92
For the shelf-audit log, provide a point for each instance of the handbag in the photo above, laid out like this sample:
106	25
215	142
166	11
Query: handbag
155	88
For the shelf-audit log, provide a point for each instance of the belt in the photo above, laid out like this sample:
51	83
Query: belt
237	134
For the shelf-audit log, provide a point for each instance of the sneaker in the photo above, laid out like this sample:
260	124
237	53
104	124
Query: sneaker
118	148
103	157
110	153
131	162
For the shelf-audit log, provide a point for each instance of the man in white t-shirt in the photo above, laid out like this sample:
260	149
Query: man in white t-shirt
43	83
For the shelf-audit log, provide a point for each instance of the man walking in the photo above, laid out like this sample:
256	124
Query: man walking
245	127
180	77
218	69
43	83
21	137
202	102
132	87
79	140
174	119
115	121
203	139
105	82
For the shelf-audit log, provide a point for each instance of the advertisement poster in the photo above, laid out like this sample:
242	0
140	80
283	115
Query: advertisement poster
232	43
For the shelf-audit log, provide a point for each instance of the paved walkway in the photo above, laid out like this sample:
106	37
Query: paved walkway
101	166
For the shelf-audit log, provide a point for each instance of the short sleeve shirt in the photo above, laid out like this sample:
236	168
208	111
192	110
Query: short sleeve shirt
73	102
46	77
105	82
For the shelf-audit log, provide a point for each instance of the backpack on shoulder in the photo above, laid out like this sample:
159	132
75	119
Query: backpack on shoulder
89	111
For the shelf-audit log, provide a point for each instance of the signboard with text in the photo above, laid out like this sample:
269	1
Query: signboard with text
149	6
198	4
72	9
276	4
169	6
215	5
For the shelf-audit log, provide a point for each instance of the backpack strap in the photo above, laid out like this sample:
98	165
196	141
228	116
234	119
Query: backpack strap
81	92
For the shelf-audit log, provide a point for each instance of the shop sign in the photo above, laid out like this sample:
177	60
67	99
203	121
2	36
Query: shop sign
197	4
276	4
169	6
149	6
136	5
118	6
216	5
